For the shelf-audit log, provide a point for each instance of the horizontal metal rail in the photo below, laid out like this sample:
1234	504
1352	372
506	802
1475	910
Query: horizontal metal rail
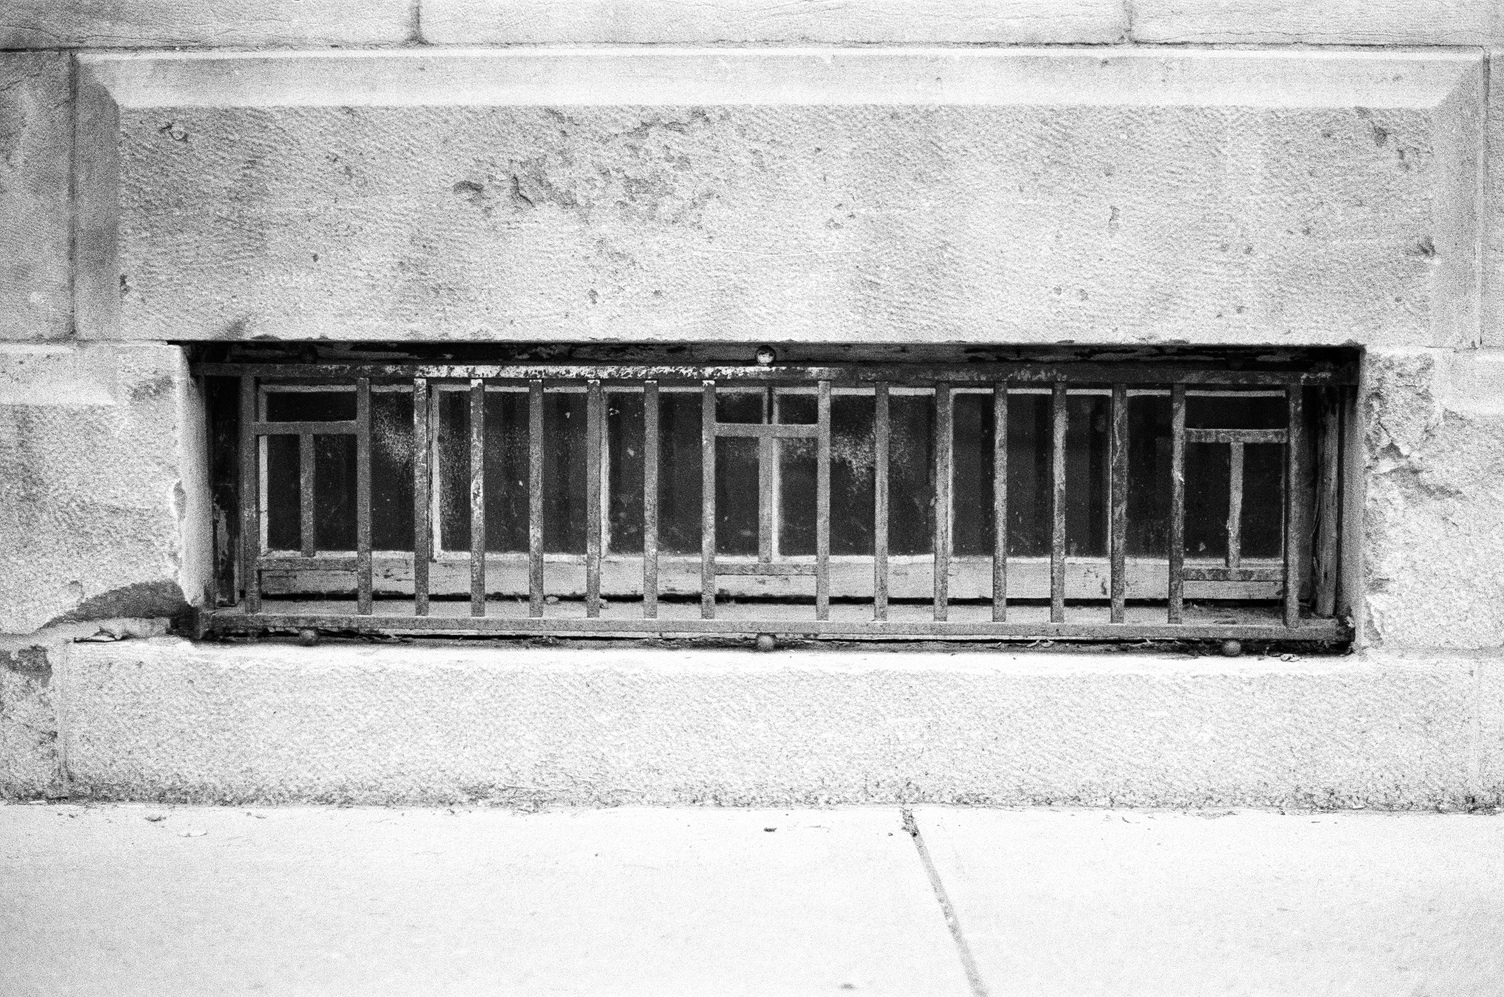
430	569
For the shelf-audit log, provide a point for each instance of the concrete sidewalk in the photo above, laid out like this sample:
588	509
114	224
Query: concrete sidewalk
134	899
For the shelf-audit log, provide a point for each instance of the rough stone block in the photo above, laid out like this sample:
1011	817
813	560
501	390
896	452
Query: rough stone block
893	195
36	155
1019	22
1318	22
1490	780
1493	207
103	497
165	719
176	23
1435	499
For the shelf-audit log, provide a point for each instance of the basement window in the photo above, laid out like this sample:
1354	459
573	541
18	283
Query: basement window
802	493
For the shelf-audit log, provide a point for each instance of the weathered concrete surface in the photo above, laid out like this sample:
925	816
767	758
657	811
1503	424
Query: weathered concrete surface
117	900
103	503
30	763
174	23
1018	22
36	153
1320	22
165	719
1435	499
1166	904
854	194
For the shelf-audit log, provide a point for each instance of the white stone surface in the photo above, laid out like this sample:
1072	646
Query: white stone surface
165	719
173	23
1317	22
36	149
103	501
959	195
1152	903
103	900
1434	499
1018	22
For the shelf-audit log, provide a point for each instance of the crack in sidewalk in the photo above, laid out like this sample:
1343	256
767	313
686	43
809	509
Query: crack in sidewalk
968	963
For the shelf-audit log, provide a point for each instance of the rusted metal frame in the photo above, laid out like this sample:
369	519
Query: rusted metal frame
768	431
535	601
944	461
306	505
307	428
1309	630
422	472
1176	553
768	568
1000	502
707	501
1128	372
649	500
880	429
250	496
1234	504
1197	573
822	505
1238	436
1324	602
1292	508
477	497
595	509
1119	496
1059	421
363	496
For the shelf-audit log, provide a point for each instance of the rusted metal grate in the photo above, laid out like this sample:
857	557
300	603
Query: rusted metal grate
652	591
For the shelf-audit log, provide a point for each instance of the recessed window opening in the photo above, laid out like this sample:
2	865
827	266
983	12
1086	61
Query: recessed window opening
1103	497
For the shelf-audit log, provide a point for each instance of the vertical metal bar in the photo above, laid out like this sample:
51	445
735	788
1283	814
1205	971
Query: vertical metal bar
363	495
1176	552
822	507
944	442
767	457
1234	505
880	503
1119	458
535	498
250	497
594	416
1292	507
477	497
1000	502
650	499
1325	601
707	502
306	505
422	525
1057	508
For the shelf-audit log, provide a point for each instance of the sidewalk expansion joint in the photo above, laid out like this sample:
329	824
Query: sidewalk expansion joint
968	963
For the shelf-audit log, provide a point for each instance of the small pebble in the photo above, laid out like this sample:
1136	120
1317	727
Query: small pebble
1231	648
765	642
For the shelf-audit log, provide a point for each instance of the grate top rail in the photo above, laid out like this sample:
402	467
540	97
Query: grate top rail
418	615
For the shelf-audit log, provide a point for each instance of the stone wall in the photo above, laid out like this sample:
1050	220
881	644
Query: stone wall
746	171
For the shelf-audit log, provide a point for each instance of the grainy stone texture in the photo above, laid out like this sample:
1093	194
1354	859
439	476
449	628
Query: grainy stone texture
147	23
36	143
1129	219
1019	22
30	703
1493	207
1319	22
1435	499
166	719
103	504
